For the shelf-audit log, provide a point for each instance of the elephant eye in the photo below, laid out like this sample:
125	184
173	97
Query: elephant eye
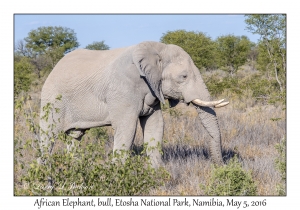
182	78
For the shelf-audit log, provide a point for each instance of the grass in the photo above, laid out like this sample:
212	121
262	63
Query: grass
251	127
247	132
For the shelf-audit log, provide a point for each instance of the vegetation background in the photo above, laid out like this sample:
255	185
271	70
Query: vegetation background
252	76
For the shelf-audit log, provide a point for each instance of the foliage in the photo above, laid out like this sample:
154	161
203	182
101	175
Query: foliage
85	171
42	63
23	75
217	86
268	26
46	38
86	168
22	50
230	180
233	51
97	46
43	48
280	163
197	44
272	31
252	55
52	41
98	133
265	64
261	88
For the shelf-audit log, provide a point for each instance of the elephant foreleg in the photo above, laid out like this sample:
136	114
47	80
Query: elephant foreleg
124	132
153	127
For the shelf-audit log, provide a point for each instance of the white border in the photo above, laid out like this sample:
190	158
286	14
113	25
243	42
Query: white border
8	201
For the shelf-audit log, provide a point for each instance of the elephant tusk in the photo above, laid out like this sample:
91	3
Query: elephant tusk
221	104
207	103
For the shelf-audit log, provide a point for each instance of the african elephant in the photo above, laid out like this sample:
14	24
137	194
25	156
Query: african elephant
120	87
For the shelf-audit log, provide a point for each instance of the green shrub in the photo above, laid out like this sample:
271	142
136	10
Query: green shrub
230	180
23	75
198	45
232	51
217	86
262	88
280	164
98	133
259	85
85	169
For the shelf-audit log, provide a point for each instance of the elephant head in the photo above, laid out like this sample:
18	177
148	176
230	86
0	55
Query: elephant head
171	74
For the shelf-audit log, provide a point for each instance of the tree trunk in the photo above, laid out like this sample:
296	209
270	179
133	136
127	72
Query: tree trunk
273	61
276	75
231	71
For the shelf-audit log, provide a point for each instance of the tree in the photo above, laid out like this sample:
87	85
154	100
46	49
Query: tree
40	61
97	46
233	51
52	41
272	31
253	54
22	50
198	45
23	76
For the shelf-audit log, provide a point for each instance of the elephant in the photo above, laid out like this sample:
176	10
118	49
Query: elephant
124	86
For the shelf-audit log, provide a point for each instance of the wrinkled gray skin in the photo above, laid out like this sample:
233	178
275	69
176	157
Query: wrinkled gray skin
118	87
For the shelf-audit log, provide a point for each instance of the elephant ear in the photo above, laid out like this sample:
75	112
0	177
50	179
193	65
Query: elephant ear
149	64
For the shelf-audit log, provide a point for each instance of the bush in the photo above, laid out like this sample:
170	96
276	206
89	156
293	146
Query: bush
23	75
198	45
230	180
232	51
217	86
86	171
261	88
85	168
280	164
97	46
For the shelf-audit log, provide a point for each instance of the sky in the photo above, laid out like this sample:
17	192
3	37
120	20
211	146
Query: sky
125	30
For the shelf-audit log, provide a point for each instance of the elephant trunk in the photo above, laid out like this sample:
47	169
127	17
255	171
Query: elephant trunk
210	123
